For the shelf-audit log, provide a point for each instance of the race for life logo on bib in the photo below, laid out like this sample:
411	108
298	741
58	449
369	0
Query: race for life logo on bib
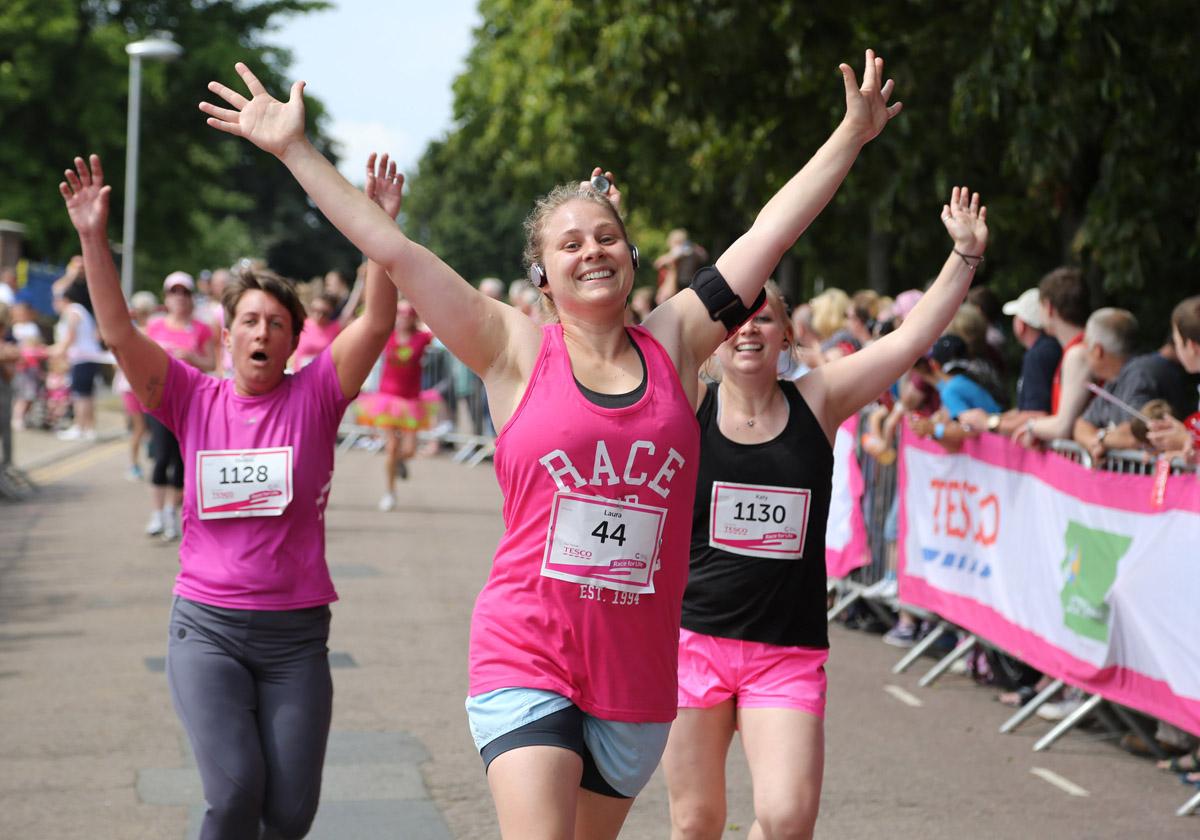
756	520
232	483
603	542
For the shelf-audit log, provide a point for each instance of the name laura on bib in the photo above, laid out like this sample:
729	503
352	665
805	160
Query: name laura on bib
609	546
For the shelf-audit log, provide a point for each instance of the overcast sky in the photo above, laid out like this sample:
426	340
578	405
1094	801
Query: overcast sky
383	68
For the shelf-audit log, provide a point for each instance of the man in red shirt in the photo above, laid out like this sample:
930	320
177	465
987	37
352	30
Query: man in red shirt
1064	301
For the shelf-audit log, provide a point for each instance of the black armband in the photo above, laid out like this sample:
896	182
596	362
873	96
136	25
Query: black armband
722	302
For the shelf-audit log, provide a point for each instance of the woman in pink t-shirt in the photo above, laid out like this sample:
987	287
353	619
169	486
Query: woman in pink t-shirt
320	329
141	306
398	407
574	637
192	342
247	655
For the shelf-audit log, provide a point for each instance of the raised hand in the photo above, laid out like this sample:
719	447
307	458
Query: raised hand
385	186
86	196
613	194
867	109
966	222
1167	434
263	120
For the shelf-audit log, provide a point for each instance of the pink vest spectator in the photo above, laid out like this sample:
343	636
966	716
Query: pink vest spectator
313	339
193	339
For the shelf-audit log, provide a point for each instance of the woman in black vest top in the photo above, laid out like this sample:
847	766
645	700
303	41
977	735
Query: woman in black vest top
753	642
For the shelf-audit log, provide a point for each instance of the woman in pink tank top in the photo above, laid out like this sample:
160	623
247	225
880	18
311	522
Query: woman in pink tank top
396	409
574	637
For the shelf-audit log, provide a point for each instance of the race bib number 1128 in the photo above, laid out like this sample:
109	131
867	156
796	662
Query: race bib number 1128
233	483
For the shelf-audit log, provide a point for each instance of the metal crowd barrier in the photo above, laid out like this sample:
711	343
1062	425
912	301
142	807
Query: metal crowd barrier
1141	462
1072	451
861	585
1125	461
15	485
880	489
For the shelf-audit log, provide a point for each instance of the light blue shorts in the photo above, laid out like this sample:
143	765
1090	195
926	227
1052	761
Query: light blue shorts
625	754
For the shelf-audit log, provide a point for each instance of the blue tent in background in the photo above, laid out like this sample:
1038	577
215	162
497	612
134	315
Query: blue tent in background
34	281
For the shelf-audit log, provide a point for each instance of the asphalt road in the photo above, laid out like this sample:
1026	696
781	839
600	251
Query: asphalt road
90	747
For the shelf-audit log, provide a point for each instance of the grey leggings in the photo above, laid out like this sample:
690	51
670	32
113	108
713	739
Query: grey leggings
253	690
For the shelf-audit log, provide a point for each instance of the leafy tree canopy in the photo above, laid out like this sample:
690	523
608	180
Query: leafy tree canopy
1073	118
204	200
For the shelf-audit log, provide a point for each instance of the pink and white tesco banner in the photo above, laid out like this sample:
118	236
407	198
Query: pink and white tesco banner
846	546
1091	577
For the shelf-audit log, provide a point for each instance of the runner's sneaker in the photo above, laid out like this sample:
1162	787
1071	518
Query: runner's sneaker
170	525
1058	711
901	636
388	502
155	526
71	433
134	473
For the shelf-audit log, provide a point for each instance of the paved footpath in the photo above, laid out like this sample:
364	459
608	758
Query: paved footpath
90	747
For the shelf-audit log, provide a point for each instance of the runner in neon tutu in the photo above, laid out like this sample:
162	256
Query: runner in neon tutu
574	637
247	655
753	645
399	407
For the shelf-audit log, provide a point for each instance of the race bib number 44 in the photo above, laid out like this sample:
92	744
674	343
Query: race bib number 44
758	520
603	542
243	482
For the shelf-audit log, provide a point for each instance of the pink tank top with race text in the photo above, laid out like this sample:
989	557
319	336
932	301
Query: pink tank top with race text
585	590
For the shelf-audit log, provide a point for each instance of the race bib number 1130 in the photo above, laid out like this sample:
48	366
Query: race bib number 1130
759	520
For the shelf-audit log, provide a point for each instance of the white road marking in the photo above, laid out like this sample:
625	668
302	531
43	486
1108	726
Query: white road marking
1065	785
903	696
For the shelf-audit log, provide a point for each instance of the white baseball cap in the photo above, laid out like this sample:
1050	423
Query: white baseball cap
1027	307
178	278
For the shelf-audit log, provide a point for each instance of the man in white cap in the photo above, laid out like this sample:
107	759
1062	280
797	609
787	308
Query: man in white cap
1042	354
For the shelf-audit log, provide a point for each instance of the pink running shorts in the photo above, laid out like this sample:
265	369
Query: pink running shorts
132	406
757	675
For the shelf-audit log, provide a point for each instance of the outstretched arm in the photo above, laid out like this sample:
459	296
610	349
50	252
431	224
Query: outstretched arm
358	346
476	328
748	262
1073	399
144	362
841	387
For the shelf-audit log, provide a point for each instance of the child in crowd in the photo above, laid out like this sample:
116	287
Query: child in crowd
918	399
58	392
30	374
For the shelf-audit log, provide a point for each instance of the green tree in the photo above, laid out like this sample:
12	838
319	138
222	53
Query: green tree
1071	117
203	199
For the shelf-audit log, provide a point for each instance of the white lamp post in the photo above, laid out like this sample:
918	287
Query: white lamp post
161	48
